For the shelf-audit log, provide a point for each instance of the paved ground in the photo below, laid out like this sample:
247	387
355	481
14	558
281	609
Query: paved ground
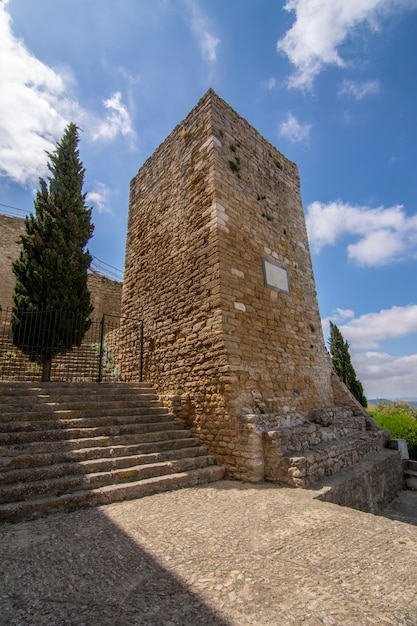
224	554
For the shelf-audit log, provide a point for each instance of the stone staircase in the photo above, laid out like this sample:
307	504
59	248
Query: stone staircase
340	453
65	446
410	473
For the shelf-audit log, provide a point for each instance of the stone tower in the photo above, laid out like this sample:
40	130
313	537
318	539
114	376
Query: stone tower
218	267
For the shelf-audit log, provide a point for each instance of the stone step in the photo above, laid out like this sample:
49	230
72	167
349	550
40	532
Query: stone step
65	401
74	482
411	478
34	426
68	445
305	467
33	399
11	459
46	466
19	511
412	464
325	460
21	389
92	442
90	411
72	391
88	432
307	435
34	402
368	485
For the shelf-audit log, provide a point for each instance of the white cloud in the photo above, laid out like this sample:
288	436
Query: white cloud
357	90
209	44
35	107
30	113
379	247
382	375
294	130
368	331
99	197
344	314
386	376
117	120
321	26
385	234
338	317
206	39
270	83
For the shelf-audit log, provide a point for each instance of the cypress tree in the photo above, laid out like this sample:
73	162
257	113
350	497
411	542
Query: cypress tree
342	364
51	297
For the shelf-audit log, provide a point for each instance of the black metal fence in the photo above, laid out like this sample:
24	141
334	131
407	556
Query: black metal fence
111	349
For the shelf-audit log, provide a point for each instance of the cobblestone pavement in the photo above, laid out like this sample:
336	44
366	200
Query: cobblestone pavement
223	554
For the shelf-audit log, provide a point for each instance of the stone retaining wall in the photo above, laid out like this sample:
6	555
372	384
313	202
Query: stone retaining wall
367	486
11	228
106	294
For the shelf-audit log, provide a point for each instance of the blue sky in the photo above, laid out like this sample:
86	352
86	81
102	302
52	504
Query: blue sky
331	83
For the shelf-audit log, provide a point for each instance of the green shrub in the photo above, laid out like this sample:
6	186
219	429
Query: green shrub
107	361
401	419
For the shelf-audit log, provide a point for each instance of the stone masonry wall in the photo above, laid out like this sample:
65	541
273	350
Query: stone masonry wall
274	339
206	208
11	228
172	275
106	294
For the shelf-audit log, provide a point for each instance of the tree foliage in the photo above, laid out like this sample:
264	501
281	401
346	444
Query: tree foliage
342	364
51	290
401	419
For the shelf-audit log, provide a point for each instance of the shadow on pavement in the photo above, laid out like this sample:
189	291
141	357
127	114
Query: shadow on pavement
83	569
403	508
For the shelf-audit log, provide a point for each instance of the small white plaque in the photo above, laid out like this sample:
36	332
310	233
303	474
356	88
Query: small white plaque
276	276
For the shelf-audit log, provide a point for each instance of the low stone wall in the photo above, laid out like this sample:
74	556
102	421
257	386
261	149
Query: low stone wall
367	487
301	468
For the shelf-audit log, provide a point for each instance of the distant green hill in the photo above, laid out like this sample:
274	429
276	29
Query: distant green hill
412	401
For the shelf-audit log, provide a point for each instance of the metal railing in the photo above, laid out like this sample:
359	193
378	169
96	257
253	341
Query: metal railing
111	349
105	269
